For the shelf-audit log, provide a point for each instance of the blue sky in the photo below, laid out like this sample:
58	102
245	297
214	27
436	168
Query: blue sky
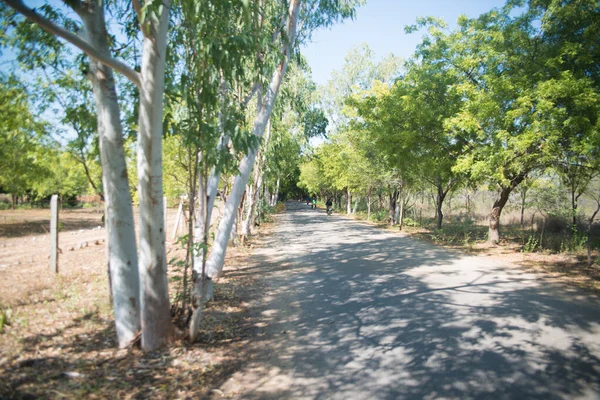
380	23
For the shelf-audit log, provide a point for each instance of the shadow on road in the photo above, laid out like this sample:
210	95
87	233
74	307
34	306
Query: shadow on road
355	312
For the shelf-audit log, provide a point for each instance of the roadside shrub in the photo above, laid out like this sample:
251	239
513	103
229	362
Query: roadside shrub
410	222
555	223
380	215
530	244
264	211
280	207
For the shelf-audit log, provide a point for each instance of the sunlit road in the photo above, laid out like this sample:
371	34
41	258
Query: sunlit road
353	312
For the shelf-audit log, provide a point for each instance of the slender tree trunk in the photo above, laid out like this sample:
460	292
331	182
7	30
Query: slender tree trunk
215	175
256	185
393	198
522	221
401	216
589	233
494	224
574	206
369	199
439	201
121	252
276	196
156	317
348	202
201	285
217	255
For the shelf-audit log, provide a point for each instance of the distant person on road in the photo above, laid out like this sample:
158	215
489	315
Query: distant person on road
328	203
314	202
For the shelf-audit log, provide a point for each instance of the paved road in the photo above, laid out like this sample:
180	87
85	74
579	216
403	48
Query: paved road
357	313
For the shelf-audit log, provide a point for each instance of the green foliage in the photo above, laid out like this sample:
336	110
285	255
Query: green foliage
410	222
5	318
22	149
530	244
265	211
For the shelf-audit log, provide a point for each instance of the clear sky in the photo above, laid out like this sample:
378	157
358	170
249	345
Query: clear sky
380	23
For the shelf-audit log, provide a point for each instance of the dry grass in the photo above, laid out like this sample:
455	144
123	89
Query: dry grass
59	340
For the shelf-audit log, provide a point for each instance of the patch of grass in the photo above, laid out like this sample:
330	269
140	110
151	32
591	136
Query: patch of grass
455	234
5	317
530	244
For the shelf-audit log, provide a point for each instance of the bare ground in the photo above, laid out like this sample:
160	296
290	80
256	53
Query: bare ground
60	342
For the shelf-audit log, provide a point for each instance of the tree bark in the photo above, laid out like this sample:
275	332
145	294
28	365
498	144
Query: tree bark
348	202
217	255
522	220
256	185
156	317
574	199
589	232
122	260
401	216
393	198
276	195
494	224
369	199
439	201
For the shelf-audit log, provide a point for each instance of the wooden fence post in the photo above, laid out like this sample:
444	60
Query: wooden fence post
177	219
54	234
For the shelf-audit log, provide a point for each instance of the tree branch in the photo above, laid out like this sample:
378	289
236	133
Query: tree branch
75	40
251	94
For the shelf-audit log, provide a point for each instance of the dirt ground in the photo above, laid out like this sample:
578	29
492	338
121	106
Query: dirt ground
59	339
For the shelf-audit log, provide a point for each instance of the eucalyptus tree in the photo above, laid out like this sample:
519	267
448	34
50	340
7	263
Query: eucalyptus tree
294	121
288	25
210	79
140	295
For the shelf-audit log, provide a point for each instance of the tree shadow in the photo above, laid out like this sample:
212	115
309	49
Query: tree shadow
357	313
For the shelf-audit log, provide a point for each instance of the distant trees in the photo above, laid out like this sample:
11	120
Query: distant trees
510	94
21	141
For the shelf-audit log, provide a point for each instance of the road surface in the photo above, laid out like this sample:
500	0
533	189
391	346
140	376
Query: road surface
354	312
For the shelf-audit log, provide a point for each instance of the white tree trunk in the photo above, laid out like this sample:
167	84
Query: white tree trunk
348	202
356	199
253	194
120	229
177	219
249	207
217	255
369	205
156	317
276	195
233	237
